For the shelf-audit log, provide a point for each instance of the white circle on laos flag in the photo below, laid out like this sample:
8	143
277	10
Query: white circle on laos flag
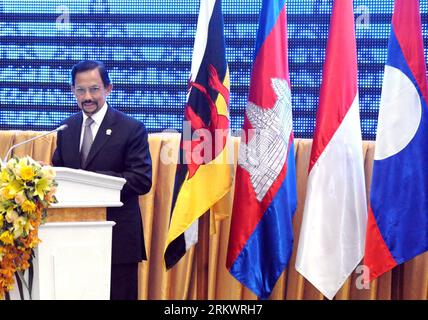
399	114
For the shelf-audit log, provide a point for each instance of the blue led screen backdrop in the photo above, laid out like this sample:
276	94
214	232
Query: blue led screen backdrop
147	46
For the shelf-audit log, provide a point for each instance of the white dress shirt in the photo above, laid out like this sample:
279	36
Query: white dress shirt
98	118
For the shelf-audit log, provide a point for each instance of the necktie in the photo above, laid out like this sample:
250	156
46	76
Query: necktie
87	141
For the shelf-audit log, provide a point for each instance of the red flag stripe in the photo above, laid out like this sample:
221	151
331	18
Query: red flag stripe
377	256
339	85
407	20
261	92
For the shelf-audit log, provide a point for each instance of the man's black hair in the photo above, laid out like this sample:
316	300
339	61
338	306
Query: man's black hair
87	65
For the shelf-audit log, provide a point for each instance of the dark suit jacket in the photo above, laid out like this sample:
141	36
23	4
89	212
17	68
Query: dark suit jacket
124	153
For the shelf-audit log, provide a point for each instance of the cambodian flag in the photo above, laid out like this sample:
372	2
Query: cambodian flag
397	228
261	234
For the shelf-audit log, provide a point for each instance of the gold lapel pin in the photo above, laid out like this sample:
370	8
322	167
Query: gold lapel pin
108	132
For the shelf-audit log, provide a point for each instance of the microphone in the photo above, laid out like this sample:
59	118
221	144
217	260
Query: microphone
60	128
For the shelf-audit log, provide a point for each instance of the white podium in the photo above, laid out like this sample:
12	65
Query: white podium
73	261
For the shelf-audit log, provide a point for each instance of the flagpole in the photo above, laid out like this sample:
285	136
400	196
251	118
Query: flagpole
202	256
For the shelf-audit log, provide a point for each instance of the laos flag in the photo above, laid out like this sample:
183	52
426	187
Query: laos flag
397	229
261	234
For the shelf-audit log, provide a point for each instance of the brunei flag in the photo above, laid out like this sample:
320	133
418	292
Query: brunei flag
204	174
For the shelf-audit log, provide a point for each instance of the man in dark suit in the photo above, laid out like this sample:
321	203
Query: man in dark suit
104	140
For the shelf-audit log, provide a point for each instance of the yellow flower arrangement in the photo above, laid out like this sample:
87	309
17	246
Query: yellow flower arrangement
26	191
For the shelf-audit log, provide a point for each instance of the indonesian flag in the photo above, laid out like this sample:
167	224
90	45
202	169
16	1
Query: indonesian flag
331	242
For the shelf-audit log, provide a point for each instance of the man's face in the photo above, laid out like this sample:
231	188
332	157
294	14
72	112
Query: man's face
89	91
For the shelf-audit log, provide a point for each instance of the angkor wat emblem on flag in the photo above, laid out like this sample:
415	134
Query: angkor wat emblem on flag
265	153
